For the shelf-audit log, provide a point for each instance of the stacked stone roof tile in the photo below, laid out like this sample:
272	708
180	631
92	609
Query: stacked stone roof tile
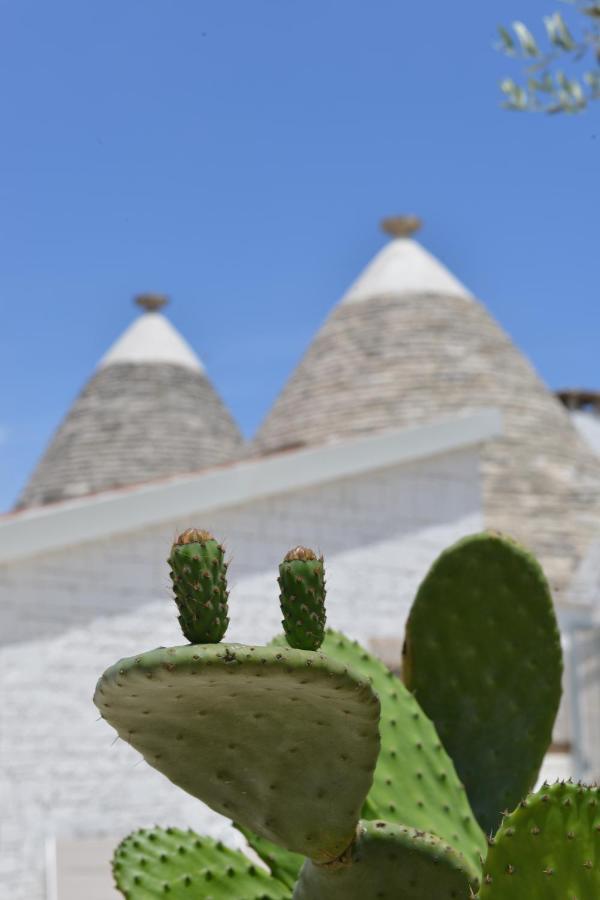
148	412
404	356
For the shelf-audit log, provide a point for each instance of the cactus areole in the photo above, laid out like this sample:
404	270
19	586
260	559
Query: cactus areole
199	576
302	585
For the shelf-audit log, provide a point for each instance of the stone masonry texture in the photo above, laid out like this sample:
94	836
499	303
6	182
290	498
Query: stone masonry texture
396	361
134	422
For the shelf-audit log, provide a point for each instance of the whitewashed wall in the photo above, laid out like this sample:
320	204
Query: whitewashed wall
67	616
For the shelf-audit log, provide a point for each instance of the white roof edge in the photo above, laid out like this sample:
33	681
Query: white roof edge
49	528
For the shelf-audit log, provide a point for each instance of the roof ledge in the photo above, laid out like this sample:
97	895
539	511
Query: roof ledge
99	516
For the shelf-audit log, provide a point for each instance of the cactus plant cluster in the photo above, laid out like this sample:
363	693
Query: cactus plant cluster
349	783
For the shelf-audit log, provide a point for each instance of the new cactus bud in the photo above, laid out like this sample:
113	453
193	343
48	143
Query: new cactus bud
302	584
199	575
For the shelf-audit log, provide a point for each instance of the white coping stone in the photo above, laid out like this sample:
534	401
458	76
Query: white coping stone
404	267
112	512
152	339
588	426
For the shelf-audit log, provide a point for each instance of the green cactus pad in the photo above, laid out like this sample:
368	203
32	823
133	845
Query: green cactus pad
549	847
388	862
483	658
302	584
415	782
159	862
283	741
198	573
284	866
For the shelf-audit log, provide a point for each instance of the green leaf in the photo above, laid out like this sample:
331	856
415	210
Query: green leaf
517	97
544	84
558	32
577	92
571	88
592	79
563	81
592	11
508	44
526	39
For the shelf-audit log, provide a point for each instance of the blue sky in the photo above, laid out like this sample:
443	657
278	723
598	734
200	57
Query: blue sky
238	155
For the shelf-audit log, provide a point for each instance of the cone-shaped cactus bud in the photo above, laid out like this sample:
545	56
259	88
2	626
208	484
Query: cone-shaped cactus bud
198	572
302	584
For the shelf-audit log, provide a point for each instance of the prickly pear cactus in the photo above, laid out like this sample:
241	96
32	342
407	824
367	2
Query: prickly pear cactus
415	782
283	865
484	661
198	573
549	847
283	741
302	598
294	745
158	863
390	862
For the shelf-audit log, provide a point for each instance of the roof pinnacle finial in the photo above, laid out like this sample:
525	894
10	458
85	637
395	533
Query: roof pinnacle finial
151	302
401	226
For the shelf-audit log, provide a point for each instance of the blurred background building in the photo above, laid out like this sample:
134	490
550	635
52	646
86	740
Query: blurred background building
411	420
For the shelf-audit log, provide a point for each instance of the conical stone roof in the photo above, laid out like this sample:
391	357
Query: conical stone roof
149	411
409	344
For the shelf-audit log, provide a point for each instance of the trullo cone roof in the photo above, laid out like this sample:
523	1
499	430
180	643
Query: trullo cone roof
149	411
409	344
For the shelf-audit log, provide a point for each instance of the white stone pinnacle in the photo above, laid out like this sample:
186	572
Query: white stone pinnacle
404	267
152	339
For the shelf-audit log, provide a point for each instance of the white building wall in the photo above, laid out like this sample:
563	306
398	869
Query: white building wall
67	616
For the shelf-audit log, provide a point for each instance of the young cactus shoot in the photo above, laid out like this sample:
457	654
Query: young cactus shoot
302	584
199	576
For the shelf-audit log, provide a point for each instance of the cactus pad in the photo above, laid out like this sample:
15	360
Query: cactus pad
389	862
548	847
415	782
302	598
154	863
198	573
283	741
283	865
483	658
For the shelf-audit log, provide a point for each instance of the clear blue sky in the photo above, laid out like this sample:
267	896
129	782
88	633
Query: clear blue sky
238	155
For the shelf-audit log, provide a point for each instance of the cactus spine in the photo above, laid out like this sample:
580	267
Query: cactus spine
199	576
548	847
302	583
